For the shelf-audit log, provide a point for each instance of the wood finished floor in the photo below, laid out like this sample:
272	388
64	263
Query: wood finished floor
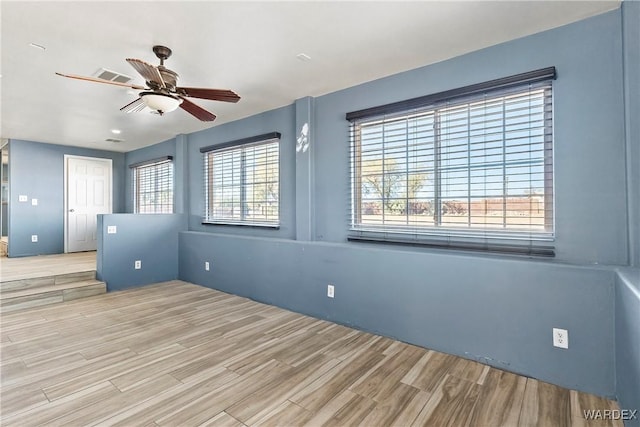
177	354
45	265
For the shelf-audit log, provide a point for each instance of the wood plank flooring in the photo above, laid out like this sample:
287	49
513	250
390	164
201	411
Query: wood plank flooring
4	244
177	354
46	265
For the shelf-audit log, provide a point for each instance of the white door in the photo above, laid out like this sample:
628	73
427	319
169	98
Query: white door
88	193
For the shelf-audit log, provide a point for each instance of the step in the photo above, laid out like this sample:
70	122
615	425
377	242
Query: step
46	281
35	297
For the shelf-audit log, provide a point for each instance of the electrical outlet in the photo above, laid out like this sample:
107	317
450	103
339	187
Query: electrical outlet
22	198
330	291
560	338
34	238
206	266
137	265
112	229
34	202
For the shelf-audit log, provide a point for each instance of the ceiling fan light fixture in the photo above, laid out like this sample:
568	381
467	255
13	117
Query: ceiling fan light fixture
160	102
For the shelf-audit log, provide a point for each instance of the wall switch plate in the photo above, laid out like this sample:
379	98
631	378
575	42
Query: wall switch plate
206	266
112	229
22	198
560	338
34	202
137	265
34	238
330	291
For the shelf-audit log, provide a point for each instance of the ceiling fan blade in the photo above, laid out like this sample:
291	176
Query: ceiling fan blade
148	71
134	106
97	80
197	111
212	94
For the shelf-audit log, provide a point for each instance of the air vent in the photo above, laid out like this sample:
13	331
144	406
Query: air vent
105	74
114	140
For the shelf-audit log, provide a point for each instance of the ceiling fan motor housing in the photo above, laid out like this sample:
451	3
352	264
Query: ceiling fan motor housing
170	77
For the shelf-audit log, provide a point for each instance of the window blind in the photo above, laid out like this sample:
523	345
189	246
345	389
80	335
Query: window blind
473	172
153	186
242	182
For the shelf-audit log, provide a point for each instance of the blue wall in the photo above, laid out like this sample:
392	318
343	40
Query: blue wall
497	311
627	308
279	120
589	140
166	148
627	331
37	170
152	239
490	308
631	40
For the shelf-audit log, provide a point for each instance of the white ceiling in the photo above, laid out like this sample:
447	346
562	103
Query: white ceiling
249	47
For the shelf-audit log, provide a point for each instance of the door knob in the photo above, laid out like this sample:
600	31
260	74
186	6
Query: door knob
72	210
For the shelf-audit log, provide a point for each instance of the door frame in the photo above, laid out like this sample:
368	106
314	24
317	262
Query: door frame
66	187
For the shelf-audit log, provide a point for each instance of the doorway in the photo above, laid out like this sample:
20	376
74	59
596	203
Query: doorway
4	198
88	192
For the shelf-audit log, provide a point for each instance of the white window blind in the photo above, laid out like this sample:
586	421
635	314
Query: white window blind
474	172
153	186
242	185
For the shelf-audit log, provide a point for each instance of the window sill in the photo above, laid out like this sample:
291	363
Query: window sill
242	224
485	247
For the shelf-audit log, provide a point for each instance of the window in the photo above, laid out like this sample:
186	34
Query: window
242	182
153	186
469	168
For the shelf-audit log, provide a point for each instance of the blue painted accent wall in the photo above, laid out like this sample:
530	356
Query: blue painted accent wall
152	239
180	174
631	40
627	327
496	309
589	139
37	170
627	303
166	148
280	120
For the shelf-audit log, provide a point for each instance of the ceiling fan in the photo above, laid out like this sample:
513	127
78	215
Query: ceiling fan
162	94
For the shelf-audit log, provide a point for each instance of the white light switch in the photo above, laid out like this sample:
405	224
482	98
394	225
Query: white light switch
34	202
206	265
112	229
22	198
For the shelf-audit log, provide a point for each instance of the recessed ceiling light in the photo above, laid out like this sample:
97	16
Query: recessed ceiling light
116	131
37	46
303	57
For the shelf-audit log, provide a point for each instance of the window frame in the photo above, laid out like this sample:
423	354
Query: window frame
483	239
136	169
241	146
